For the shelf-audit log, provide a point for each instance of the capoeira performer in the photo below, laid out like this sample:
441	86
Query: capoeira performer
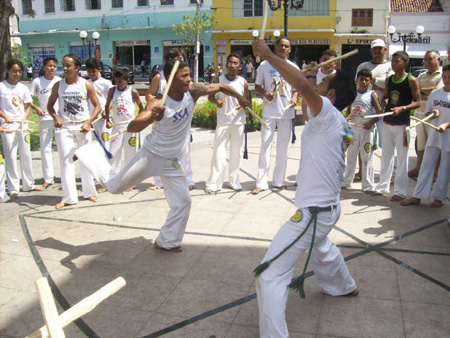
317	199
161	151
13	116
122	97
3	195
230	127
74	120
438	143
41	87
279	101
157	87
366	103
101	87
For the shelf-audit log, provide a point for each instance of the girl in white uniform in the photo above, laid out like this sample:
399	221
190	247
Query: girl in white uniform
366	103
161	152
74	120
122	97
230	127
317	199
13	96
41	87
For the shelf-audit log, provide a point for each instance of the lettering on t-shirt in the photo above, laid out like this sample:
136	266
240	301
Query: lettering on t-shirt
440	103
73	103
180	115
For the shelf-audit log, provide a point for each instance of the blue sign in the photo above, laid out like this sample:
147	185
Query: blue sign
156	50
206	49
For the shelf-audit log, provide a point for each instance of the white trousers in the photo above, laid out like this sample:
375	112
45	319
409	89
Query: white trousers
284	128
426	175
235	135
326	261
394	138
124	143
65	143
3	195
102	132
141	166
362	144
45	141
13	143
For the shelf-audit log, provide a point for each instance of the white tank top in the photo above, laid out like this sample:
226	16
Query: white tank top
73	100
362	106
168	138
236	116
123	104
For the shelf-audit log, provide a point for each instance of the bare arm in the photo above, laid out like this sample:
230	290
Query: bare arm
5	117
97	108
200	89
107	108
37	109
153	89
138	101
146	117
51	102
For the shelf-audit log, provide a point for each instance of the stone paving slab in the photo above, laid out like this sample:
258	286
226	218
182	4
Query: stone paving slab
399	257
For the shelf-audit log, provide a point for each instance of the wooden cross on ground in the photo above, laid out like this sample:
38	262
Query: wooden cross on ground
55	323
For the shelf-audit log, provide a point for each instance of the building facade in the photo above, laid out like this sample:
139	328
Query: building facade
130	31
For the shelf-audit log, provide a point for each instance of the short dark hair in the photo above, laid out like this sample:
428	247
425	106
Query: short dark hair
329	51
277	41
174	52
344	87
50	58
234	55
366	72
12	62
76	58
93	63
169	65
402	55
122	72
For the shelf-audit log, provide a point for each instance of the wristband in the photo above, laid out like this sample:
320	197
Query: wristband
311	77
404	108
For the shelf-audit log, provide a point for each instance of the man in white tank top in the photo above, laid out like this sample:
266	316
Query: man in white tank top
161	152
230	127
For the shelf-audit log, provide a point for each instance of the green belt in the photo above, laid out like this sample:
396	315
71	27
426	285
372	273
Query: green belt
297	284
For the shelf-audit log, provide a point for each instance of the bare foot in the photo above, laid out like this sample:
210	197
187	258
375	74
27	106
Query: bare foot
92	199
154	187
13	197
357	178
283	187
436	204
397	198
46	185
413	173
353	293
60	205
256	191
376	193
192	186
101	190
37	189
174	249
208	191
129	189
410	201
369	192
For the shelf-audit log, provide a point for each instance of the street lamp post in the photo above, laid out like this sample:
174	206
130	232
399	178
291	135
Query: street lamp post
88	42
276	34
406	37
275	5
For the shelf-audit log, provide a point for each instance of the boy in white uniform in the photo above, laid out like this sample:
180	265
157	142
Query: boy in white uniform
161	152
277	95
317	199
122	97
366	103
74	119
438	143
102	87
13	96
230	127
41	87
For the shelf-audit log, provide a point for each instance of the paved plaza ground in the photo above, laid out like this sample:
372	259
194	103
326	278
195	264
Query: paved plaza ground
398	256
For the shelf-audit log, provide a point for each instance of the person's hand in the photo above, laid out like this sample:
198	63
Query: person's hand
434	112
442	127
269	96
40	111
219	103
58	123
261	49
367	125
312	68
397	110
157	112
85	127
108	124
103	114
8	119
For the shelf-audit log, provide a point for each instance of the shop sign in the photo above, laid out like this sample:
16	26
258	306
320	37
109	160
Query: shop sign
359	41
310	41
241	42
133	43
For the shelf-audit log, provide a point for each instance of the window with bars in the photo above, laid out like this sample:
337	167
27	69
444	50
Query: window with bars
68	5
166	2
253	8
312	8
117	4
141	3
194	2
26	7
49	6
362	17
93	4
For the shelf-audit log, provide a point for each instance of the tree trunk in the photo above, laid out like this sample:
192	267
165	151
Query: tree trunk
6	11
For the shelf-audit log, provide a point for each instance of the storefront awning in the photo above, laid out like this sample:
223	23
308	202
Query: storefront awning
418	50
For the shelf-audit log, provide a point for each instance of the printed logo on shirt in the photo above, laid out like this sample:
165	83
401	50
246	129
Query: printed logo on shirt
298	216
16	101
176	164
440	103
132	141
73	103
1	158
45	90
105	136
395	95
368	147
180	115
27	138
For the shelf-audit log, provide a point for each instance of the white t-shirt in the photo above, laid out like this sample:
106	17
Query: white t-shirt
101	86
439	99
320	75
237	116
168	138
42	88
380	71
322	163
73	101
269	78
123	104
12	99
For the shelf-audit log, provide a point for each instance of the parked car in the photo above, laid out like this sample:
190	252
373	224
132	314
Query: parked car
416	71
107	72
83	72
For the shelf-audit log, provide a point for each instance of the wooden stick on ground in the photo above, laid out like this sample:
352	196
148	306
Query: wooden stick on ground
84	306
378	115
342	57
425	123
257	117
169	83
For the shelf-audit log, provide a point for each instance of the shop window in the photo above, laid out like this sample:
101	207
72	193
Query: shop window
68	5
253	8
117	4
26	7
166	2
194	2
362	17
142	3
312	8
93	4
49	6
